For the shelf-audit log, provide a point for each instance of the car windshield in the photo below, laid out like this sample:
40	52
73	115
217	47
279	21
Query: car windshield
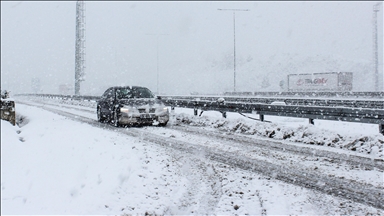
127	93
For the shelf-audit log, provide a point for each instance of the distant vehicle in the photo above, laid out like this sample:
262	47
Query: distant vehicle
330	81
131	105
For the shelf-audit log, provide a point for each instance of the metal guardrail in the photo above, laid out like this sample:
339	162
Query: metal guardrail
362	115
373	116
7	111
350	114
309	94
356	103
64	97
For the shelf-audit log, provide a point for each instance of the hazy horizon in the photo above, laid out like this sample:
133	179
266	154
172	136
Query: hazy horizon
273	39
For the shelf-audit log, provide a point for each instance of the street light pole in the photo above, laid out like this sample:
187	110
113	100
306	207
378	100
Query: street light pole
375	46
80	45
234	44
157	59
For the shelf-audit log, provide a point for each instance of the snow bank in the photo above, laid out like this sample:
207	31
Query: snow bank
367	143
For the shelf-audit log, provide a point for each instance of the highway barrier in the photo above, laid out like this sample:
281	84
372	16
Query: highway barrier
370	111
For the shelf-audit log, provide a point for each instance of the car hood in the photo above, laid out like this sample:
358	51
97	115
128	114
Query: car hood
141	102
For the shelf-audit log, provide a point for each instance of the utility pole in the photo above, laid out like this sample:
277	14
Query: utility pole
157	58
234	44
80	45
376	46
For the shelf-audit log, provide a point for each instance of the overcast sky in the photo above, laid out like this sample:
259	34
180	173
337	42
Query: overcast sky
273	39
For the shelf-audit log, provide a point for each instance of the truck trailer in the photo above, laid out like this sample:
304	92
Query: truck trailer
329	81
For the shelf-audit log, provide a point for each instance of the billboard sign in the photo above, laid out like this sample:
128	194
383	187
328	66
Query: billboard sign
317	81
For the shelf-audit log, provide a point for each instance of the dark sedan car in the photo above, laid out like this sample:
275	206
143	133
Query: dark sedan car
131	105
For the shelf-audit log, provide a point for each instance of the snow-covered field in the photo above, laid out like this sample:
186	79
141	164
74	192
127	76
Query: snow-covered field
51	164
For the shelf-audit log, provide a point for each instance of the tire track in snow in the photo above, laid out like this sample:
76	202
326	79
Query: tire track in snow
202	194
354	160
252	149
193	202
348	189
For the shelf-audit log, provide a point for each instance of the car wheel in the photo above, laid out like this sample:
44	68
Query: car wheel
163	124
116	119
100	118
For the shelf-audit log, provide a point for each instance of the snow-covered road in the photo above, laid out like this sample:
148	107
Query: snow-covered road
203	170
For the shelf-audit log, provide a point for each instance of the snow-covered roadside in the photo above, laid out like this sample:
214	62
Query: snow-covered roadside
356	137
66	167
56	166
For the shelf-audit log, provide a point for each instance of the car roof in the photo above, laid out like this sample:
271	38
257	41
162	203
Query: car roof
130	87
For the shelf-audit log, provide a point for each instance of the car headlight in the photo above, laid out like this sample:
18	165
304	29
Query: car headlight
161	110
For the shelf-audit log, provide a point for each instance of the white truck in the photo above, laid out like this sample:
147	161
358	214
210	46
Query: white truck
329	81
